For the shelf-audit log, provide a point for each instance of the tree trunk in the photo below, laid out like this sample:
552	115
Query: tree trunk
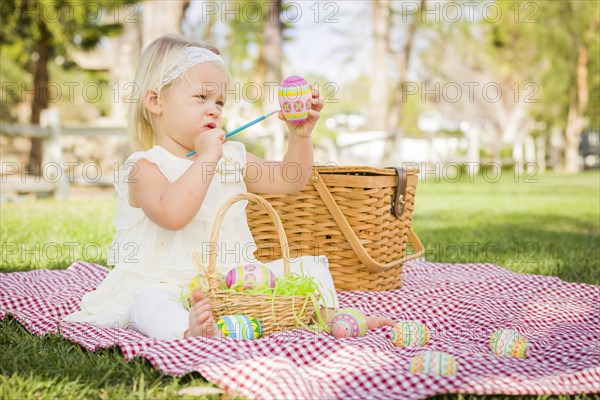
540	152
40	99
184	7
161	18
270	63
514	130
576	118
575	122
379	92
392	153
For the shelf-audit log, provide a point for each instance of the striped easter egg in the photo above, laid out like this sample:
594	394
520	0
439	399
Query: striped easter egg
508	342
199	282
240	327
250	276
410	334
433	363
348	322
295	98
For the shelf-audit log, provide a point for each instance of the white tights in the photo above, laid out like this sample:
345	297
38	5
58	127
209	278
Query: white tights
159	314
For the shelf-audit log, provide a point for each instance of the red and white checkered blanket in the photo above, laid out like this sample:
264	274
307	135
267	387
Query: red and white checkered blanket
461	304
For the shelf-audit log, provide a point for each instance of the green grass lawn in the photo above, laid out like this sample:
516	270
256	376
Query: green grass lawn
545	224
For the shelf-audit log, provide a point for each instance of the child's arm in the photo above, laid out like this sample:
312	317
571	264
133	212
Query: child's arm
173	205
372	321
291	174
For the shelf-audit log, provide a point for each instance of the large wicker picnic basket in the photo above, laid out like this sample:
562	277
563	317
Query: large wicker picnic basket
359	217
275	312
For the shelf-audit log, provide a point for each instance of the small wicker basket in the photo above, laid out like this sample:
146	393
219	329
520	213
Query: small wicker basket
275	312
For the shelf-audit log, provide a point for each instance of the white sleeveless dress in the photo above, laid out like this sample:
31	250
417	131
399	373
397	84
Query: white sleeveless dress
148	257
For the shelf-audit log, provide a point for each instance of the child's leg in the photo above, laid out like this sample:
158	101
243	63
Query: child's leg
157	313
373	322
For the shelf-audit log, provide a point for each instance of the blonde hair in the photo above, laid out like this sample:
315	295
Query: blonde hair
153	62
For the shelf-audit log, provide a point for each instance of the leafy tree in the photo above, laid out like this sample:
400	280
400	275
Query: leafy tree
34	32
544	57
558	48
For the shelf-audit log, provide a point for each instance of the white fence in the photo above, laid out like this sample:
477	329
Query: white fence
368	148
55	179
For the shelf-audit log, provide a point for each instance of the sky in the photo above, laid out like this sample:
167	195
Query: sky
330	38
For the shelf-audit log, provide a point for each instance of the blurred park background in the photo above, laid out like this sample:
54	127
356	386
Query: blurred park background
448	85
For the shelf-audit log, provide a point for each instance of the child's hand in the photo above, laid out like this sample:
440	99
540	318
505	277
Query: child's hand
210	143
306	128
378	322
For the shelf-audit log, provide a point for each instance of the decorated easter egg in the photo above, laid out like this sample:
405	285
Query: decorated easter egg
348	322
433	363
196	282
295	98
250	276
240	327
199	282
508	342
410	334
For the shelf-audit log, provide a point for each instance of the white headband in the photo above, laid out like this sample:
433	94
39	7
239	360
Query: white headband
188	57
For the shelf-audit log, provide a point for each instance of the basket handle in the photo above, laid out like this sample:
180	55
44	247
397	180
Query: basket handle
350	235
214	237
416	243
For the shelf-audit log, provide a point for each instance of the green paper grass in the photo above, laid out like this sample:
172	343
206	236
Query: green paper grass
289	285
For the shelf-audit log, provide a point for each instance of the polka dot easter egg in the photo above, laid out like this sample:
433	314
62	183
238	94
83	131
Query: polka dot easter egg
240	327
348	322
433	363
250	276
508	342
295	98
410	334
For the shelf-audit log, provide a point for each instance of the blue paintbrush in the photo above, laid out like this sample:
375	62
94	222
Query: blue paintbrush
241	128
